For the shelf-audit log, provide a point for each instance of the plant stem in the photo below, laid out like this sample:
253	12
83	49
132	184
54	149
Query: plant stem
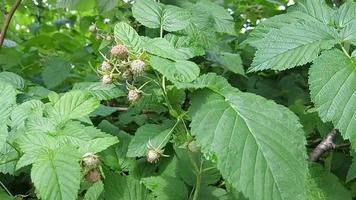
168	134
3	186
161	32
345	51
198	184
7	21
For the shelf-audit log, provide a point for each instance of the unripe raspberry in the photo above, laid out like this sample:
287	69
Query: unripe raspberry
108	38
98	37
153	156
92	28
127	75
90	161
106	79
133	95
119	51
137	67
106	66
193	147
93	176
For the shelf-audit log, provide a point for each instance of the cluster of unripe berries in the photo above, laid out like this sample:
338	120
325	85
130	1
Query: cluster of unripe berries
99	36
120	67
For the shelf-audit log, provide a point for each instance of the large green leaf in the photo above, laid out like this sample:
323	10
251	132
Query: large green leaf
14	79
55	71
331	191
315	10
56	173
166	187
156	15
115	156
163	48
106	5
175	71
346	14
7	100
332	80
26	110
223	21
119	187
346	19
293	45
73	105
126	35
145	135
245	132
229	61
94	191
99	90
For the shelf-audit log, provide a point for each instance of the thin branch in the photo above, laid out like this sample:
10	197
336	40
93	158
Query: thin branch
324	146
8	17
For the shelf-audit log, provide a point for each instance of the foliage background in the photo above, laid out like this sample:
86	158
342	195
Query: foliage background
48	44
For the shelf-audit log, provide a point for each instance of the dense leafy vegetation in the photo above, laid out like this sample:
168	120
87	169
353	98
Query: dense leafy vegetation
200	100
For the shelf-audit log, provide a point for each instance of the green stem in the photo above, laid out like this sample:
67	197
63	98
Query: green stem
3	186
198	183
168	134
345	51
163	88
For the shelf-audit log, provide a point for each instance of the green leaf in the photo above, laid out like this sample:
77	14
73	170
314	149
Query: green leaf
179	71
115	156
174	18
244	132
212	81
7	101
315	10
156	15
188	168
99	144
99	90
106	5
73	105
31	108
333	190
55	71
346	14
13	79
126	35
293	45
148	134
94	191
56	173
119	187
229	61
223	21
32	144
70	4
166	188
163	48
332	80
351	174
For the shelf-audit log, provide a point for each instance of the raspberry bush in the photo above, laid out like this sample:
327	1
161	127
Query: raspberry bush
178	100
